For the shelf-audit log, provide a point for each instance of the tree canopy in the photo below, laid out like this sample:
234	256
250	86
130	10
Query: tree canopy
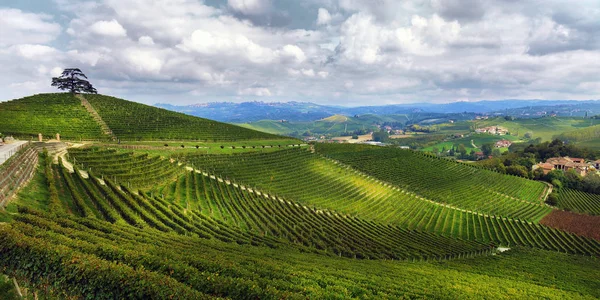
74	81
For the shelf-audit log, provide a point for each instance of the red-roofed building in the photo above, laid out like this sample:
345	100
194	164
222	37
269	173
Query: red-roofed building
479	155
565	164
503	144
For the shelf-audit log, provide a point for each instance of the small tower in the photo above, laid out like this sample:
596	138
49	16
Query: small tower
58	137
40	137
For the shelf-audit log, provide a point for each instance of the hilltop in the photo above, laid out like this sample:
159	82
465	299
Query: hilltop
100	117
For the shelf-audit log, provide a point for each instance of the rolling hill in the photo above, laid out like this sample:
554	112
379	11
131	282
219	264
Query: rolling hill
331	125
127	121
102	220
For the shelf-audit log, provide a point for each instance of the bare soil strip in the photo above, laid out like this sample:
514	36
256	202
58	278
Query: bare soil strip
582	225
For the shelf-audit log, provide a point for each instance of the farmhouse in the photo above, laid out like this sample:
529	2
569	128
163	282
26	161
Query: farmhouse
565	164
497	130
503	143
479	155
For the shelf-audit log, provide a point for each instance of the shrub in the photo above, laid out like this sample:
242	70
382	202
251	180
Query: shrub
552	199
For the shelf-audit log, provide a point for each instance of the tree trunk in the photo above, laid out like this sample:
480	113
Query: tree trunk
17	287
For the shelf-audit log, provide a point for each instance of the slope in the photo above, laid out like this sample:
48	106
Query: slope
490	215
51	254
48	114
134	121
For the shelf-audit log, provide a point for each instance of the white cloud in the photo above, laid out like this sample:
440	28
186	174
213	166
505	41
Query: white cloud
143	61
88	57
146	40
294	52
257	91
35	52
221	43
18	27
356	51
250	7
110	28
323	17
308	72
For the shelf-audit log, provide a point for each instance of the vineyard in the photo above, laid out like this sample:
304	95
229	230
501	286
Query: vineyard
579	202
257	216
132	121
121	261
446	181
200	235
140	171
330	185
48	114
64	113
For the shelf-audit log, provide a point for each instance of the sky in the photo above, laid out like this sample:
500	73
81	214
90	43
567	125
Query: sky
339	52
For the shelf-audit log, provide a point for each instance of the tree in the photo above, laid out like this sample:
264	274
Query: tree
381	136
552	199
462	150
72	80
518	171
487	149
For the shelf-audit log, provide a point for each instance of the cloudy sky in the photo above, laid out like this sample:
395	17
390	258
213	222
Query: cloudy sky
345	52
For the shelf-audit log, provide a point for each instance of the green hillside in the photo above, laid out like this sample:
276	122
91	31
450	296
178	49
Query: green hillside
283	224
489	209
545	128
48	114
334	125
270	221
278	172
134	121
579	202
120	261
129	121
587	134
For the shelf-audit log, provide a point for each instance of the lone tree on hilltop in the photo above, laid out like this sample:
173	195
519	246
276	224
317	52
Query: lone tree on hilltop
72	80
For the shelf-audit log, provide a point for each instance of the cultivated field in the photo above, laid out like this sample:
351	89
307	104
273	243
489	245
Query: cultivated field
198	209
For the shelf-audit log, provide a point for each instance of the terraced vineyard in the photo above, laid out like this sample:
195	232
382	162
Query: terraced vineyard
472	189
578	201
333	186
132	121
48	114
446	181
132	170
234	215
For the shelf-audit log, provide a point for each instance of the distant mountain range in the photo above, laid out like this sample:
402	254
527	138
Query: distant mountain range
306	111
